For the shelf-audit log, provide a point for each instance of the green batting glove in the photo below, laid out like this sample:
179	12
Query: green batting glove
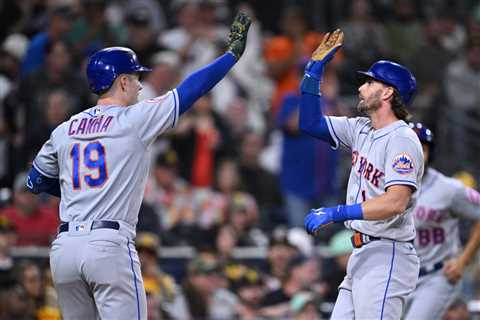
237	39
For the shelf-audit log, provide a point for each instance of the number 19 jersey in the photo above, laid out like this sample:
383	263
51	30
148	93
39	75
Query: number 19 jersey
101	157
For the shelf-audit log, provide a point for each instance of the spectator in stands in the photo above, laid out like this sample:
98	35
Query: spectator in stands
366	43
162	285
259	182
286	53
303	307
7	266
91	31
462	84
340	248
12	51
458	310
7	152
141	35
249	287
57	110
148	220
60	19
190	38
431	60
30	279
15	304
404	31
225	243
163	77
36	225
57	73
280	251
202	139
170	197
201	287
241	216
301	274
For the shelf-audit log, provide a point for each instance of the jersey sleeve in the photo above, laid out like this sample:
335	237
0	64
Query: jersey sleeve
46	161
403	162
343	130
466	202
152	117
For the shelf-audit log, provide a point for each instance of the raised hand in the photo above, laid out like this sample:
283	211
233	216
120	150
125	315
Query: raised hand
237	39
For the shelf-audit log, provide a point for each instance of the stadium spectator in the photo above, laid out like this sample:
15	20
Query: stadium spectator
35	223
60	20
163	286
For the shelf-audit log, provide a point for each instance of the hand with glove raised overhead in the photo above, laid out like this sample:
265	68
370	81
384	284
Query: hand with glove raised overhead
331	42
237	39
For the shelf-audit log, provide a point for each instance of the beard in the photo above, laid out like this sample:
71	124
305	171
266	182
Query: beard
371	104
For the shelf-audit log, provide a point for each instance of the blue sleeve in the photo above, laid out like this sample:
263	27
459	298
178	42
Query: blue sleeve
37	183
312	121
203	80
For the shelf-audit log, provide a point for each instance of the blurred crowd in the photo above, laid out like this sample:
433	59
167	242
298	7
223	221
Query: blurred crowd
236	172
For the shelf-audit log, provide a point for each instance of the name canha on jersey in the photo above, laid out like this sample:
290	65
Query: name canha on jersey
101	157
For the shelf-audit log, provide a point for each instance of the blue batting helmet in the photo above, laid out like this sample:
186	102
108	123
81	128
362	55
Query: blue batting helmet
395	75
107	64
425	136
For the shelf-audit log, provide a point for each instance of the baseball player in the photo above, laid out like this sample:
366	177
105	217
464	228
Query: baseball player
441	201
387	167
98	161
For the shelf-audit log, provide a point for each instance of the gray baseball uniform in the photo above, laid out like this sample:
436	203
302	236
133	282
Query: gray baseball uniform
101	157
441	201
382	273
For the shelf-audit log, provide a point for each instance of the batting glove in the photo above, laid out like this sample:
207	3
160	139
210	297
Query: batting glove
331	42
319	218
237	39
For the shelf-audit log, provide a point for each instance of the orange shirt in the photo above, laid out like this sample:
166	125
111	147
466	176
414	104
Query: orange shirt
282	50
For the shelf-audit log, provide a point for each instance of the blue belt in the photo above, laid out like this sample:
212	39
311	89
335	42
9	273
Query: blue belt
424	271
97	224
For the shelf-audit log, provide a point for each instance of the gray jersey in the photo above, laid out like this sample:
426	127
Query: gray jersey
380	158
101	158
440	202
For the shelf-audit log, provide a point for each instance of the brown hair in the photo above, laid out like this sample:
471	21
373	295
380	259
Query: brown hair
399	108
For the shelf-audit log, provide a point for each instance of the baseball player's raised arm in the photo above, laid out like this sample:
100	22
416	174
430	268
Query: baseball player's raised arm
311	119
152	117
203	80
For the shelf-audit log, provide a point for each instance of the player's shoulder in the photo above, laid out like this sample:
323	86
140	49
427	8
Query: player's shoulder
360	124
446	182
404	132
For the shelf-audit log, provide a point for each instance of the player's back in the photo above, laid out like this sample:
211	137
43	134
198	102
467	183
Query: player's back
103	158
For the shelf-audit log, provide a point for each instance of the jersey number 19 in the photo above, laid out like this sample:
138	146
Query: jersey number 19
93	158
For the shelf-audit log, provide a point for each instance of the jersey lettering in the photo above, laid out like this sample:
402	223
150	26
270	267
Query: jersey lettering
435	236
89	125
429	215
367	169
